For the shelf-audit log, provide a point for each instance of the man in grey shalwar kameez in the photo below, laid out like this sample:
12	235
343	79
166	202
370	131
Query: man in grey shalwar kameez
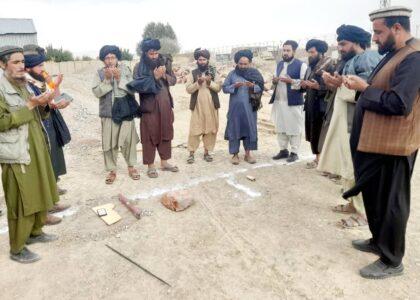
243	83
110	86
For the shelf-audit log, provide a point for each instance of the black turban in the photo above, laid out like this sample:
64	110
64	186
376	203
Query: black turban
201	52
107	49
243	53
354	34
149	44
319	45
34	55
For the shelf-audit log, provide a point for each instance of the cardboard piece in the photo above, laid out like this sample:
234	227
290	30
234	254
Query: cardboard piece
111	217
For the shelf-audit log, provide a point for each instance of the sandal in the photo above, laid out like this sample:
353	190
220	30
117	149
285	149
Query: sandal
170	169
344	209
208	157
191	159
312	164
250	159
133	173
353	221
110	178
152	173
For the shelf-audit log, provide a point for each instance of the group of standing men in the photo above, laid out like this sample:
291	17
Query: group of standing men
362	119
360	115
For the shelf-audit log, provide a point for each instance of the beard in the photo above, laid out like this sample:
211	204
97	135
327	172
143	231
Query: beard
288	59
152	63
36	76
348	55
203	68
314	60
241	71
387	46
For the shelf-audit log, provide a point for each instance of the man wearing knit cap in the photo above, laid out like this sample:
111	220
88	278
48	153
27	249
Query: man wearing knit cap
385	139
34	65
203	84
117	110
153	76
27	175
356	59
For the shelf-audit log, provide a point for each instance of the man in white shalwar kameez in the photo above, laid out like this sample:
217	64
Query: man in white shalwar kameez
287	112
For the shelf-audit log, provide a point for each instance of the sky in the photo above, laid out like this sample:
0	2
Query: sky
84	26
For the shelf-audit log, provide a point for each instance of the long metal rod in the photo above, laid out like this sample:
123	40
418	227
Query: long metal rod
133	262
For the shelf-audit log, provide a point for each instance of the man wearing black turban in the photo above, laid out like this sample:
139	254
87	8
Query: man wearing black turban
352	42
117	110
109	49
245	86
204	85
315	105
153	76
38	82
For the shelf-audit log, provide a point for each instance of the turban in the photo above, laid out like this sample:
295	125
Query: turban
34	55
319	45
243	53
4	50
201	52
149	44
107	49
354	34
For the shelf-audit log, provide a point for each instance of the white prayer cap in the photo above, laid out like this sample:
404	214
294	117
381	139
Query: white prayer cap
392	11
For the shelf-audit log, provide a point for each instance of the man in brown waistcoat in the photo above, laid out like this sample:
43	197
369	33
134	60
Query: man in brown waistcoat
204	86
385	139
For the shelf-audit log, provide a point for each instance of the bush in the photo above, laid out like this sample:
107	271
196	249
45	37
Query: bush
58	55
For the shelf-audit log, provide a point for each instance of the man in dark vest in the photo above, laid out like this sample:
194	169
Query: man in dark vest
204	85
385	138
287	100
118	130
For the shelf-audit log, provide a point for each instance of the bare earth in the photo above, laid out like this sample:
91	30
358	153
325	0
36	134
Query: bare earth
275	238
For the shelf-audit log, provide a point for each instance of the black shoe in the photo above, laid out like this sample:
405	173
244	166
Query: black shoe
292	157
366	246
379	270
25	256
282	154
42	238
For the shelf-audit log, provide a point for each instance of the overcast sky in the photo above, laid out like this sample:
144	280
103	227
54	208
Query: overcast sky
84	26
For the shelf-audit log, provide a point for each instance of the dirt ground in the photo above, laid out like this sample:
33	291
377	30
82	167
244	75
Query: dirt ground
275	238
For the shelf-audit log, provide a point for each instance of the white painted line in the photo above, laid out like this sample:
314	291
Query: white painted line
194	182
4	230
67	213
231	181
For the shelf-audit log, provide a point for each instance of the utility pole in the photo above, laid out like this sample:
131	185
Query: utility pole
385	3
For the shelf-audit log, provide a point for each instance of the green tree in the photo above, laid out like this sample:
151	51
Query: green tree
58	55
165	34
126	55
